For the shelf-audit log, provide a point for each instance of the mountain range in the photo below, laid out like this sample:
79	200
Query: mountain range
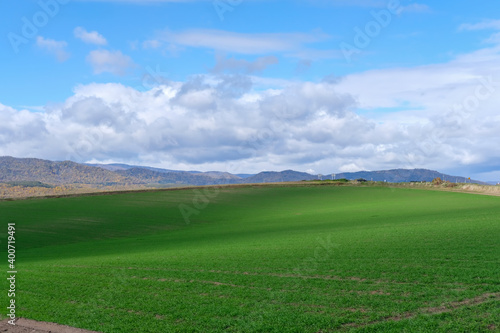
63	173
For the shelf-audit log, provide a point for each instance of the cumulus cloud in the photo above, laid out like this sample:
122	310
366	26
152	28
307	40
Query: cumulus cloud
207	120
113	62
22	132
442	116
56	48
92	37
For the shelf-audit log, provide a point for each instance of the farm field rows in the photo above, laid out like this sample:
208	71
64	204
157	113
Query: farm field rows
260	259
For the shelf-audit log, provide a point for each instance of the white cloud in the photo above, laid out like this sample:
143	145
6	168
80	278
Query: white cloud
416	8
107	61
242	43
56	48
494	39
199	122
151	44
22	132
92	37
486	24
234	65
435	88
441	116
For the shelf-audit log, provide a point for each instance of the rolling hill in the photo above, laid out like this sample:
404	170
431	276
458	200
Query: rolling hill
402	175
67	172
276	177
276	259
56	173
148	176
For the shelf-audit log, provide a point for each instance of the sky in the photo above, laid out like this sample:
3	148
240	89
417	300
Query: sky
243	86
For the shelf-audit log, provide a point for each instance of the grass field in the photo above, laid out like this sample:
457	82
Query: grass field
260	259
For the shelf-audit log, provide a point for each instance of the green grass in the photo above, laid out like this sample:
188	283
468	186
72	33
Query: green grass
261	259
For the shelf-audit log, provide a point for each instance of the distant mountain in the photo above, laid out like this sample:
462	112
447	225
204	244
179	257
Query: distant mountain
392	176
186	178
276	177
219	175
211	174
67	172
403	175
55	173
245	175
119	166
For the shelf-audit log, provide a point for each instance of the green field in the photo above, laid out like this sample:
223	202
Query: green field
260	259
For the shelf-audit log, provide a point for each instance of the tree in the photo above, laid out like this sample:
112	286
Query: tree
437	181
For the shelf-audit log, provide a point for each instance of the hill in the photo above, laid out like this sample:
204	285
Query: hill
121	166
210	174
404	175
391	176
276	177
179	177
67	172
56	173
260	259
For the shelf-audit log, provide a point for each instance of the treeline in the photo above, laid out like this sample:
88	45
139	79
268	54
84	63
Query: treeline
28	183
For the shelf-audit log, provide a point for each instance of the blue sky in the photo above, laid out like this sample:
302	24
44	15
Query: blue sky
244	86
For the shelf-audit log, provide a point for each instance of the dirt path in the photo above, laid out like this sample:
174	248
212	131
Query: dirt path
444	308
31	326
